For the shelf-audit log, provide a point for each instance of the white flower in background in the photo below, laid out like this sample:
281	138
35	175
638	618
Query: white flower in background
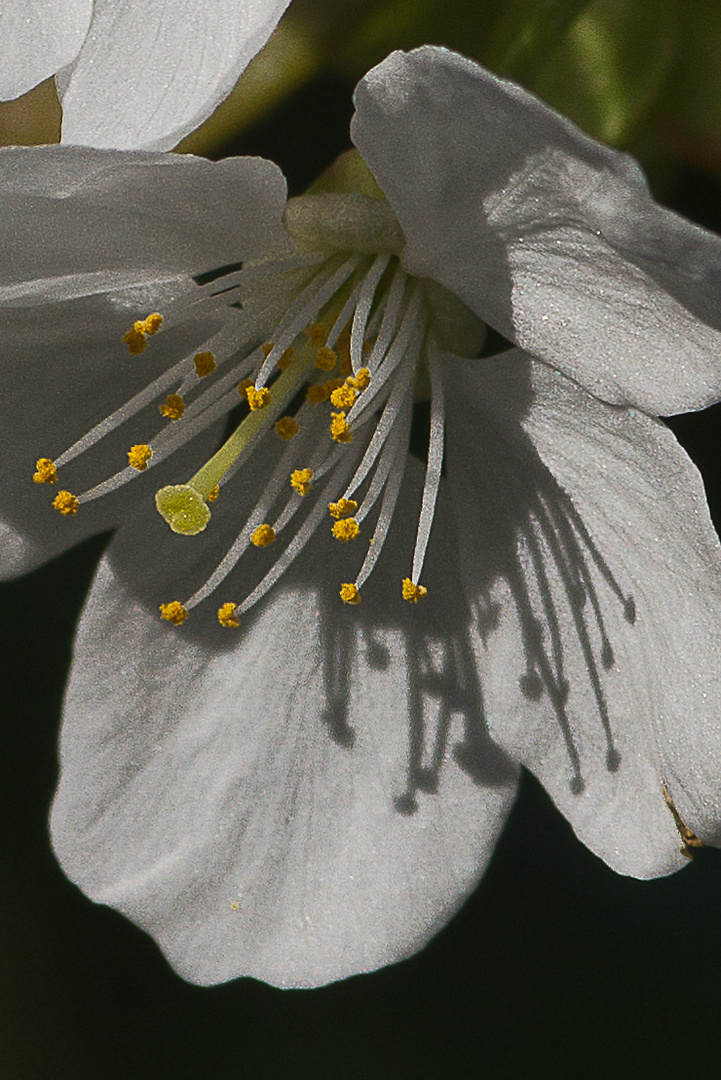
277	780
132	74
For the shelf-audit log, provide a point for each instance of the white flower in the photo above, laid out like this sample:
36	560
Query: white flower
132	74
313	791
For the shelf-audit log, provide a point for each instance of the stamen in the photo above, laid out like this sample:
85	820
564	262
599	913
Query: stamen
137	338
46	471
257	399
227	616
346	530
362	312
434	466
263	536
243	387
204	363
139	456
300	480
339	429
66	503
344	397
349	594
342	508
412	592
174	613
173	408
326	359
287	427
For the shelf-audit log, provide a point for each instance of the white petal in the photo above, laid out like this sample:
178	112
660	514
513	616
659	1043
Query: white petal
590	558
250	797
37	38
151	71
69	210
550	237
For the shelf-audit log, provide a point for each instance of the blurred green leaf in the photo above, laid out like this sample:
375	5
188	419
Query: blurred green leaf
608	71
526	35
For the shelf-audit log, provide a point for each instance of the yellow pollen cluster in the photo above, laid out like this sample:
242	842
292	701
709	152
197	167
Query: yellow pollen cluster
316	333
214	493
137	338
244	387
300	480
139	456
412	592
204	363
349	594
257	399
173	408
46	471
361	380
343	508
66	503
344	397
227	616
326	359
174	613
287	427
286	358
339	429
263	536
346	530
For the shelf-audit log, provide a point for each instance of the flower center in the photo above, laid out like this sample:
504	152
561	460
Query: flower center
324	349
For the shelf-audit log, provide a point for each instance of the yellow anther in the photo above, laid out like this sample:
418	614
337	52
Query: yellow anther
227	616
174	613
257	399
300	480
326	359
267	348
361	380
243	388
213	495
139	456
286	358
343	508
47	473
135	340
316	333
66	503
204	363
263	536
173	408
344	397
287	427
349	594
412	592
339	429
184	509
346	530
152	324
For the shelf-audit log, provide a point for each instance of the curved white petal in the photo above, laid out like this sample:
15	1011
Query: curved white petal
68	210
589	556
37	37
550	237
307	797
150	70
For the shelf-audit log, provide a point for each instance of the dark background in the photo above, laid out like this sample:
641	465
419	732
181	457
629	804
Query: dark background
556	967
